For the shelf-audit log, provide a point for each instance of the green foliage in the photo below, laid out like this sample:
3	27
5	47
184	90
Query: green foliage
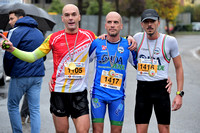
194	10
183	27
167	9
196	15
93	8
132	7
187	9
56	6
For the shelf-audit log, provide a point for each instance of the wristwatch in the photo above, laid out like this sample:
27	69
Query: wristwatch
181	93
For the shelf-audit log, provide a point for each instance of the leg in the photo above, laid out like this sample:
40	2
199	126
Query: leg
163	128
98	110
33	96
59	109
142	128
82	124
97	127
15	93
24	109
162	109
116	115
116	129
61	124
143	107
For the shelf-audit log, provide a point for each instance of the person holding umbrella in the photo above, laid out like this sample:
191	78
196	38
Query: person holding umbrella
14	15
26	78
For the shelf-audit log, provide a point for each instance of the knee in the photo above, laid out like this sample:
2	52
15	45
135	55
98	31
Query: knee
83	130
11	105
164	128
62	130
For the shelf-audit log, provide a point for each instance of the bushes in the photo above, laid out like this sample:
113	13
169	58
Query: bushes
183	28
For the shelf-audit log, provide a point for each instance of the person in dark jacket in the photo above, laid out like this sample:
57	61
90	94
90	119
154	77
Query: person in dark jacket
14	16
26	78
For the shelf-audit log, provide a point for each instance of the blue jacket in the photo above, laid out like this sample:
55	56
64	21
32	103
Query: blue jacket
25	36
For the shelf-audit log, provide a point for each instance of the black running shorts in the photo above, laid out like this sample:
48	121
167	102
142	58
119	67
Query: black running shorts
69	104
151	95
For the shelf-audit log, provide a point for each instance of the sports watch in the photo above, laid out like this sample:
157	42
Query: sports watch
181	93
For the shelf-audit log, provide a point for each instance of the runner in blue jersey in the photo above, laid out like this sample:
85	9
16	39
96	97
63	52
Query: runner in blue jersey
111	57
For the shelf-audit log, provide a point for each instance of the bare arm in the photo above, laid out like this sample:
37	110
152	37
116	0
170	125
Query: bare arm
177	102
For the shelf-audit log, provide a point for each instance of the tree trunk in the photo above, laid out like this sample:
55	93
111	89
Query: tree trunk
167	24
117	5
80	7
129	25
99	16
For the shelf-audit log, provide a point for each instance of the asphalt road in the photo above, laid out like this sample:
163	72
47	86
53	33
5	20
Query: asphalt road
185	120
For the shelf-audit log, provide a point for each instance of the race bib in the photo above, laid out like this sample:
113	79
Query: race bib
111	82
75	72
145	67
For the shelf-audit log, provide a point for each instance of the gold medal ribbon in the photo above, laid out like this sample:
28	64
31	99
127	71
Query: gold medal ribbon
112	63
153	50
72	66
71	57
151	71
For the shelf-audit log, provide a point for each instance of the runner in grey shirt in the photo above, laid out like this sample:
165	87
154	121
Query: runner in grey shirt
154	52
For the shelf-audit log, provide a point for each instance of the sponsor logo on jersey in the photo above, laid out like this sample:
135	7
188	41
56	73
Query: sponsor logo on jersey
103	47
62	44
145	49
120	50
157	51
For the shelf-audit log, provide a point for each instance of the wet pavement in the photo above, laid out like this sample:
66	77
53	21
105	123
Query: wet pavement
185	120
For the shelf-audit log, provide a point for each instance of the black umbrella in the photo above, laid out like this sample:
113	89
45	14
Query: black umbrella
45	22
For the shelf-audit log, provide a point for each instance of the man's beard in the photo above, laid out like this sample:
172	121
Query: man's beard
150	34
113	35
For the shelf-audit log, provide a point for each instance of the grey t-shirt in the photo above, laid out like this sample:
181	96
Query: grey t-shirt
162	50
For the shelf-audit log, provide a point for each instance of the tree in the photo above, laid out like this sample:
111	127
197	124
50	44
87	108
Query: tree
131	8
99	7
100	2
93	8
117	6
80	7
167	9
196	15
56	6
188	9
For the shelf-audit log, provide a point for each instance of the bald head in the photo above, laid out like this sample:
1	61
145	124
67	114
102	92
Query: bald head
114	15
113	26
71	7
71	18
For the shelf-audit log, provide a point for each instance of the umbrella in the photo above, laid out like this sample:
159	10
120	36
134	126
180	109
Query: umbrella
45	22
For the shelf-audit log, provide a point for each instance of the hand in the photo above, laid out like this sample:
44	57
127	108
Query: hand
169	85
50	85
102	37
10	47
132	43
177	103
